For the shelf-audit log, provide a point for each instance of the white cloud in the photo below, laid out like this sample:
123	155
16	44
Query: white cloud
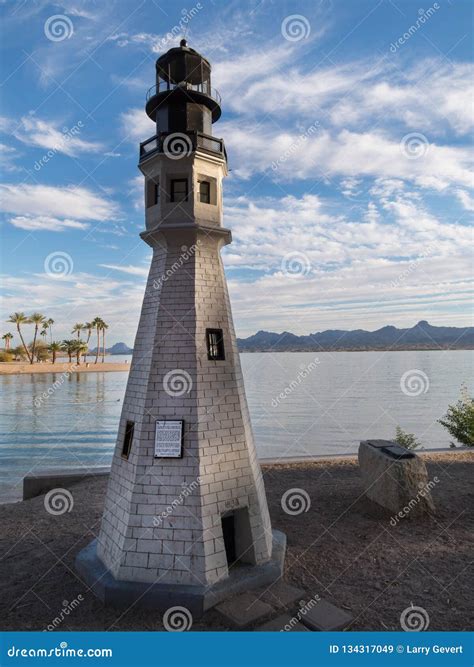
132	270
77	297
136	125
55	202
466	200
37	132
355	273
45	223
346	154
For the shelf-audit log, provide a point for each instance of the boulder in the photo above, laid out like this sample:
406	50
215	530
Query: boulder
395	478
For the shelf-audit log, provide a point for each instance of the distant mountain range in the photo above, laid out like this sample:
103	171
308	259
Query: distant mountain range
423	336
118	348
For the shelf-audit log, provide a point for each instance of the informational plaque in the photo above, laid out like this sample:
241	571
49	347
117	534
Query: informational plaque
169	439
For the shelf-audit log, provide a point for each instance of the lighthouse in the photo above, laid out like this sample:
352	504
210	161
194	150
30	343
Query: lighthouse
186	520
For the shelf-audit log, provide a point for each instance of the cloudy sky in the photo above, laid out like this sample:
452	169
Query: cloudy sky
348	128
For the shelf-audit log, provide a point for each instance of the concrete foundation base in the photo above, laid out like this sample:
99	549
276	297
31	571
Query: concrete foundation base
161	597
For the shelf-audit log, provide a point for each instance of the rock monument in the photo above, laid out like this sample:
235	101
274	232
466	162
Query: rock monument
395	478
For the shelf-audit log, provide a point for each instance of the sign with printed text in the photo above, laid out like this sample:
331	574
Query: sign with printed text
169	439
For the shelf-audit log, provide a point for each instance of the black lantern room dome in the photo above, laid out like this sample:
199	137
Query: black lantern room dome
183	99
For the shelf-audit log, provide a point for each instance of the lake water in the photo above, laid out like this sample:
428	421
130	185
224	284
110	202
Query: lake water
300	403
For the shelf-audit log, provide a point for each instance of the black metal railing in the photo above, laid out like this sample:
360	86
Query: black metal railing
179	144
204	87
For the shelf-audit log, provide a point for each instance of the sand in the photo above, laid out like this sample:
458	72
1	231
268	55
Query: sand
343	549
19	368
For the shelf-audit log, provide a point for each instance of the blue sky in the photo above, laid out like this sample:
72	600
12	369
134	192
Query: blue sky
348	129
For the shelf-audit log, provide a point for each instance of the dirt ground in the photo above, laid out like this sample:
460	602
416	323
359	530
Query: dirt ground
343	548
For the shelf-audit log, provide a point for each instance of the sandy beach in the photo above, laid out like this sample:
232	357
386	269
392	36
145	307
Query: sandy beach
343	549
20	368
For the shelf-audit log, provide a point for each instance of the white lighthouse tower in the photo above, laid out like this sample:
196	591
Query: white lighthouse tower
186	518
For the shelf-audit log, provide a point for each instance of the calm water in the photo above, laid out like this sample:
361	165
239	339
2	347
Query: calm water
300	403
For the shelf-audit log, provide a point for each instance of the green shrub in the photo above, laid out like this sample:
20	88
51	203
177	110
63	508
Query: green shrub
407	440
5	356
459	419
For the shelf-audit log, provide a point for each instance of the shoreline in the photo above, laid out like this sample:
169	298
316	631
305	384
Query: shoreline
362	563
20	368
37	483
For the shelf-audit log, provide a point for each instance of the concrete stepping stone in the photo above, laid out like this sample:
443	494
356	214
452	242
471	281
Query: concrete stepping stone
244	609
283	623
324	616
282	594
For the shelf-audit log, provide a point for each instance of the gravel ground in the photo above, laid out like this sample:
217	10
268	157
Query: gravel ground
343	549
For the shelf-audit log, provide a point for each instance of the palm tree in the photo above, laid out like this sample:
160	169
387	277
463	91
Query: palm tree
88	326
97	324
69	346
50	323
104	327
80	348
7	338
44	330
19	319
54	348
77	328
36	319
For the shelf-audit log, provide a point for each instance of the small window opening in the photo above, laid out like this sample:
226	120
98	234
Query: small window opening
205	192
215	344
127	441
153	193
179	190
228	534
